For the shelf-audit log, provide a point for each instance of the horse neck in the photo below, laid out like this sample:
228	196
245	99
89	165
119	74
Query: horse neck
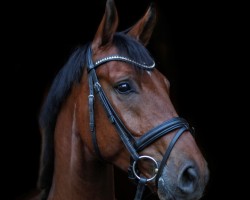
77	172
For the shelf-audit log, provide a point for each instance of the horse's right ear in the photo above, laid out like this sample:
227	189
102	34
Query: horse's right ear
143	29
107	27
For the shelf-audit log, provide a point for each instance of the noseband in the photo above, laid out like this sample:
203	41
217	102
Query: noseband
133	145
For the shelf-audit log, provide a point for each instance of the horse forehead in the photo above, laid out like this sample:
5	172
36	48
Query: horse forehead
104	51
116	70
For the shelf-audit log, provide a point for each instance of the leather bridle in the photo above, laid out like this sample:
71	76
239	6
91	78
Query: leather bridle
133	145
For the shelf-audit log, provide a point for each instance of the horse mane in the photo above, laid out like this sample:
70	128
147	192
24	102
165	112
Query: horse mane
70	74
59	90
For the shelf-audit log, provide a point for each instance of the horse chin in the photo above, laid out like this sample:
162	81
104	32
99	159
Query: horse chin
168	190
164	192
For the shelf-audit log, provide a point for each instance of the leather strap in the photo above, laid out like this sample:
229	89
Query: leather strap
159	131
140	188
167	154
92	119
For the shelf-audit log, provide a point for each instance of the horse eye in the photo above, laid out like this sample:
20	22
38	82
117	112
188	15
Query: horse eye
123	88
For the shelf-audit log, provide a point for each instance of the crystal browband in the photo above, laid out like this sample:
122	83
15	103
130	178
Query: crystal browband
125	59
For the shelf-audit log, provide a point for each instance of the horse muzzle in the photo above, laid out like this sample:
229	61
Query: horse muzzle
182	183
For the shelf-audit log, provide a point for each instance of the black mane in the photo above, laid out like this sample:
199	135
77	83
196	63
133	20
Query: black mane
70	74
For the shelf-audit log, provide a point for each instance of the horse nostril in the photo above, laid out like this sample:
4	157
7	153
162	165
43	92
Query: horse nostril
188	180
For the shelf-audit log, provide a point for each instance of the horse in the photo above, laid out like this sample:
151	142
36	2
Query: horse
109	106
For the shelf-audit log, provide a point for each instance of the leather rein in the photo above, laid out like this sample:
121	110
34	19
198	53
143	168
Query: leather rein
133	145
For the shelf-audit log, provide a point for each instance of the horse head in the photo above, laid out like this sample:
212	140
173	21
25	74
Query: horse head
138	96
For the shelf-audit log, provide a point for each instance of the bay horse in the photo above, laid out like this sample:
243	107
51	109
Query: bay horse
110	106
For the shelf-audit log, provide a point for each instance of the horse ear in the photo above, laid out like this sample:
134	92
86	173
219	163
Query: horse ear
107	27
143	29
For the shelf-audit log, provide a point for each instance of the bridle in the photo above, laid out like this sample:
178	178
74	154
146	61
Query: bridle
133	145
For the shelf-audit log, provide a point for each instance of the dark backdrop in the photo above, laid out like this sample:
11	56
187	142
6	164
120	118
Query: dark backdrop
194	44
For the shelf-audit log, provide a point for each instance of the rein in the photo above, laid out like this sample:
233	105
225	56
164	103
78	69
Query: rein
133	145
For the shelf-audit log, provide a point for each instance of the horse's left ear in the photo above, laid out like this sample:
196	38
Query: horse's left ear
143	29
107	27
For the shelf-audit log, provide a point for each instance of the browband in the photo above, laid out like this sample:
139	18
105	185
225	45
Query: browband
124	59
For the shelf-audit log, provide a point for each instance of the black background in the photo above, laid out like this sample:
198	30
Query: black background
195	45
